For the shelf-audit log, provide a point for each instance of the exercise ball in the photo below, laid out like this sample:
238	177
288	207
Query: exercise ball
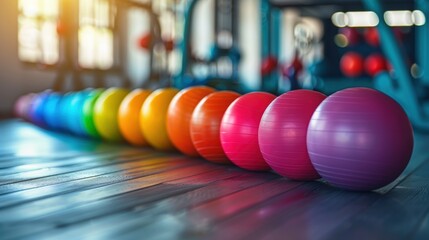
72	122
374	64
63	111
37	108
26	106
359	139
352	35
145	41
372	37
106	113
21	105
282	134
205	125
153	118
129	114
69	120
88	113
351	64
268	65
51	109
239	130
76	118
179	117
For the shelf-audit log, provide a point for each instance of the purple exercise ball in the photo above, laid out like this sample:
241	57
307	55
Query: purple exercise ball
359	139
21	105
26	108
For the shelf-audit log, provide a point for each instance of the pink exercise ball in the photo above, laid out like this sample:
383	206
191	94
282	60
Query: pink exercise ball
283	134
239	130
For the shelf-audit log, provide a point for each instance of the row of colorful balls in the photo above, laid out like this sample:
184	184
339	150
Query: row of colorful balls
357	138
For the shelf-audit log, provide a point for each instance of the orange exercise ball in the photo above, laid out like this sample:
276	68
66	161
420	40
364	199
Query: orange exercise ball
129	114
106	113
205	125
179	117
153	118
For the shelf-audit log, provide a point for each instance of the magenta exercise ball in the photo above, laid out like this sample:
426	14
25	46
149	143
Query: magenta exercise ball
239	130
283	134
359	139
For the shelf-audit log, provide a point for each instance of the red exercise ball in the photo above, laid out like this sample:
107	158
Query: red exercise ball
169	44
351	34
145	41
372	37
268	65
374	64
205	125
179	117
239	130
282	134
351	64
296	65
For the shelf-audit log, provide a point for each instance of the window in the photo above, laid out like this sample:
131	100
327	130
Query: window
96	20
38	40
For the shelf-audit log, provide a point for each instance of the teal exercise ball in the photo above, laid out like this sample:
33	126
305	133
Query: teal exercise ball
77	103
64	112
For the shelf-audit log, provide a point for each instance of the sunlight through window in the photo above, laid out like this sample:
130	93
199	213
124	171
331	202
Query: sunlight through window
38	40
95	34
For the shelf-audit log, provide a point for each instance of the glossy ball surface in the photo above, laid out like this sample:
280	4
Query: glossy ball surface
359	139
179	117
239	130
106	113
351	64
283	134
205	125
88	113
129	117
153	118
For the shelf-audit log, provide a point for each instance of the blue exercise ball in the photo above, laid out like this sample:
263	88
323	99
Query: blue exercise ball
37	108
51	109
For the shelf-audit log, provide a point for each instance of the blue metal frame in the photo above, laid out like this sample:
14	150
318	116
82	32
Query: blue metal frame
270	42
179	79
403	88
184	78
422	40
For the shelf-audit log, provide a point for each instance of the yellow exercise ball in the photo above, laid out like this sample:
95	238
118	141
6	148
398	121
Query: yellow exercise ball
153	118
106	113
129	114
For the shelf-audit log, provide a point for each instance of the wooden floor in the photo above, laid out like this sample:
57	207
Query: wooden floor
55	186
